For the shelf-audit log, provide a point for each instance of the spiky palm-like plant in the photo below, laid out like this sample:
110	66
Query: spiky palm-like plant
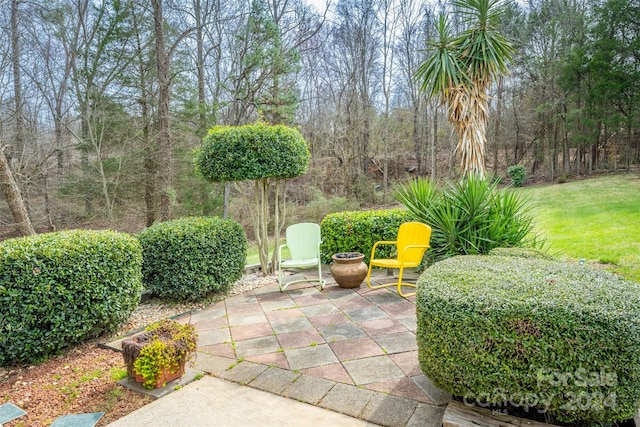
460	69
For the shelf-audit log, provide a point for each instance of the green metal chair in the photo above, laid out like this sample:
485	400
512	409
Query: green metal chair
303	241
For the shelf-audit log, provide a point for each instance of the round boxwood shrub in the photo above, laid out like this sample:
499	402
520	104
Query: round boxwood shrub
187	258
58	289
252	152
550	336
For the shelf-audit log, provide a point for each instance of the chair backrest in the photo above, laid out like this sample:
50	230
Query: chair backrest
412	233
303	239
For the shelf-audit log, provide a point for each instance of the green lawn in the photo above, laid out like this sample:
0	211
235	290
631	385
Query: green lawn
597	219
254	258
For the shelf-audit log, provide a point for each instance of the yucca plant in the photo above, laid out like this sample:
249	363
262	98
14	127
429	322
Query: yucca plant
471	216
460	69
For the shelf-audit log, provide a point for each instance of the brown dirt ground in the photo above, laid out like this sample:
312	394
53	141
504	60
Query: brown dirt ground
83	379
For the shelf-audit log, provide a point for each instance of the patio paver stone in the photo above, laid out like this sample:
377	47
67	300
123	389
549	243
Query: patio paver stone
372	369
309	357
274	380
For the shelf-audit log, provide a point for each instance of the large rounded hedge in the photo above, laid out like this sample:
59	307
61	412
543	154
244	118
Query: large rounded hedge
187	258
563	339
58	289
252	152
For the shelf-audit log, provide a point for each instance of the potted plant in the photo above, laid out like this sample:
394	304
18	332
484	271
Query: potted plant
159	354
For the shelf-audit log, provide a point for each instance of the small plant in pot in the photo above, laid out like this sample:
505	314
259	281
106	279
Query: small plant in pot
159	354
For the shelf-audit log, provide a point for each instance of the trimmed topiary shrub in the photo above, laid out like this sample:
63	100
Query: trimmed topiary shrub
266	154
358	231
547	336
58	289
187	258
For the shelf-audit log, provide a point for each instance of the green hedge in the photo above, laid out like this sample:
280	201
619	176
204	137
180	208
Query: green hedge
358	231
188	258
562	338
59	289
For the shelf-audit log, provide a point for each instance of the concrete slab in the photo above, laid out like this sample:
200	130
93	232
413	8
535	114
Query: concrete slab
189	376
255	346
305	338
208	313
347	399
365	313
78	420
244	372
332	372
437	396
243	319
341	332
245	332
213	336
403	387
212	364
270	359
279	304
398	342
319	309
214	402
382	326
409	322
408	362
389	410
427	416
308	389
372	370
331	319
274	380
290	325
357	348
309	357
246	298
385	298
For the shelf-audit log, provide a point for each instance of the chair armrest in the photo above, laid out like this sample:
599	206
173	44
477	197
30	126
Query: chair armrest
427	246
381	242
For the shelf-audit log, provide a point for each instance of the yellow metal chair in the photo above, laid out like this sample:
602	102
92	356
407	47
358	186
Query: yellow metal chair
303	241
411	244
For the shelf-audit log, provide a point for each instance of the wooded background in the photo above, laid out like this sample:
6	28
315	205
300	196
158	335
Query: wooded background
103	102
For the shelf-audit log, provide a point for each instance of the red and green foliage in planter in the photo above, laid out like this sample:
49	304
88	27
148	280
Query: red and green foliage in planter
159	354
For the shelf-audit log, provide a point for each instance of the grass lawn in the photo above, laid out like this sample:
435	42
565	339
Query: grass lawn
254	258
597	219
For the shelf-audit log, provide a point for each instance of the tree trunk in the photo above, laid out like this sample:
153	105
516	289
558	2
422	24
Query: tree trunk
16	149
496	135
14	198
164	137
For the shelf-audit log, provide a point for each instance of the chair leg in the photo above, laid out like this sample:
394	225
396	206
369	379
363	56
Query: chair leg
400	285
368	280
282	288
322	281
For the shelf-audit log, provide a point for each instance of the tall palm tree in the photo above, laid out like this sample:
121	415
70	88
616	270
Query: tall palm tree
460	69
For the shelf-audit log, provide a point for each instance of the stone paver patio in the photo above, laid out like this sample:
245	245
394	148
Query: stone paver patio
351	351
